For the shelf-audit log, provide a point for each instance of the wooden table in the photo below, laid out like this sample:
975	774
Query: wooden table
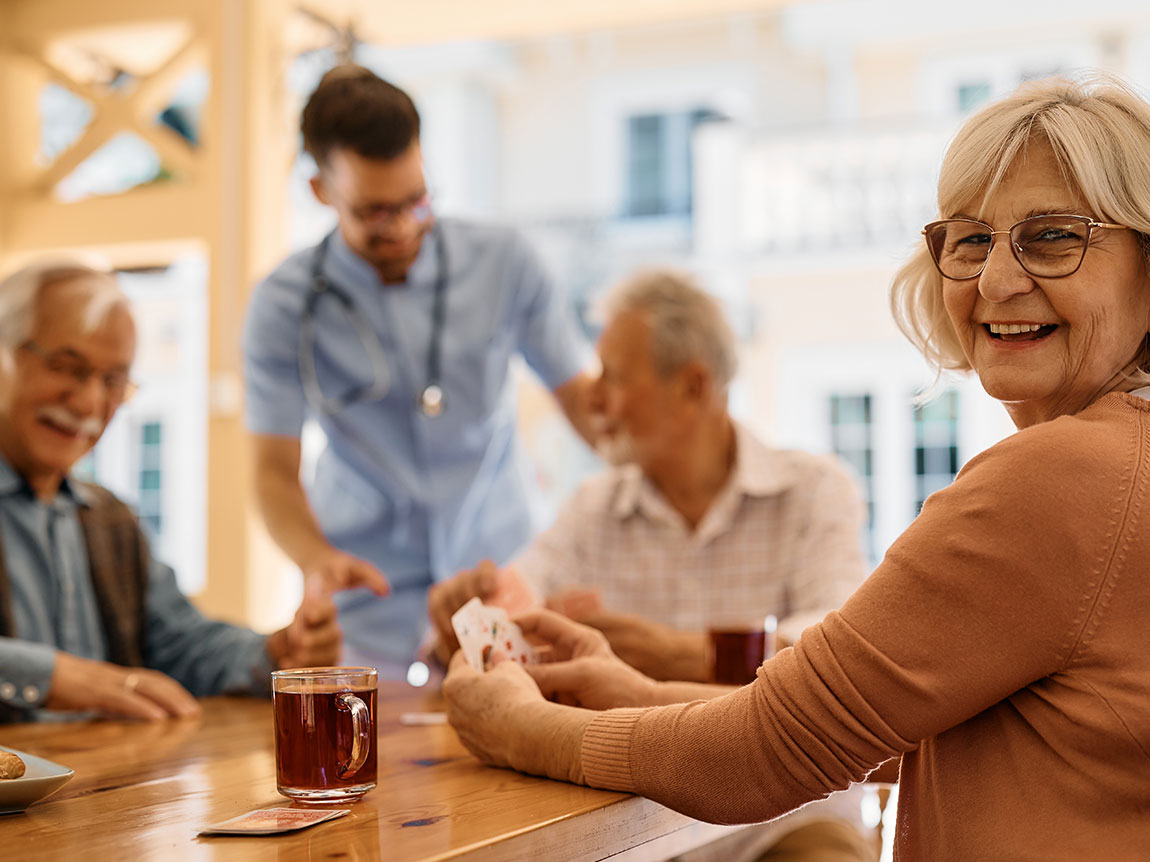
143	790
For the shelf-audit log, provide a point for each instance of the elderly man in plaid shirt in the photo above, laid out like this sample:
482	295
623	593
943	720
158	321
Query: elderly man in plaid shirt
698	524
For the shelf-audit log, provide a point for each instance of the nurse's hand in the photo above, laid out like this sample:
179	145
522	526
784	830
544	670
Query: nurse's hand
313	638
341	571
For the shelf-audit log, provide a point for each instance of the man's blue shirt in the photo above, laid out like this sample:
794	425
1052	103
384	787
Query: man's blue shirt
419	497
54	607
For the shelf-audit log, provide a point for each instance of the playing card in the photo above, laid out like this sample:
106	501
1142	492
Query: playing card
507	640
270	821
487	635
470	628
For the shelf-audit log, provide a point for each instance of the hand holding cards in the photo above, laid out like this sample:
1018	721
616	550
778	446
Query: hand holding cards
487	636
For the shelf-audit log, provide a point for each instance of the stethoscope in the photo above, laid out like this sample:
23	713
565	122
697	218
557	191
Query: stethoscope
431	398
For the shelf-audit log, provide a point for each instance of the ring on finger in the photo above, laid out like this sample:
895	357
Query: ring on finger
132	681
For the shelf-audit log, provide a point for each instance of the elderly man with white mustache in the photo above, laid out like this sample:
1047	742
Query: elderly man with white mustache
89	622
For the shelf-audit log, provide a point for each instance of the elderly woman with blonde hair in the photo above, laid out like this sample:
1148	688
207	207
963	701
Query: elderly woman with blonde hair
1002	647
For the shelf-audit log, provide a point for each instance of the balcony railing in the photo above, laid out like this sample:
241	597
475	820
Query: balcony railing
837	190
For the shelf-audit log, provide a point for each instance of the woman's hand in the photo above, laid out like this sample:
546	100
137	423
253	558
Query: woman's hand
579	668
501	718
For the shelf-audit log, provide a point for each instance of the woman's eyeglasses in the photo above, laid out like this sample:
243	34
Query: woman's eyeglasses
1047	246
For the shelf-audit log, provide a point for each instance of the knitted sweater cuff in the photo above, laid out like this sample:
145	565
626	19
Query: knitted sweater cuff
606	750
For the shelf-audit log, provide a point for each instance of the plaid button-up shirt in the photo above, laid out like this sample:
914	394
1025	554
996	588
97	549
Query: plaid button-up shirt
782	537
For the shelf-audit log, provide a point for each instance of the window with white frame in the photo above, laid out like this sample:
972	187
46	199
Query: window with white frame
658	170
150	478
972	94
963	82
851	427
936	456
858	402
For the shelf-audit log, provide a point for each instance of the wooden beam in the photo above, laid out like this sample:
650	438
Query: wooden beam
33	52
152	96
175	153
20	140
7	141
97	133
156	213
452	20
115	112
61	17
246	142
155	90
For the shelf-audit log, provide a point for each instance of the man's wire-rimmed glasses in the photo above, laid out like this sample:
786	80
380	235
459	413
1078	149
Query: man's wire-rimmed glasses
66	364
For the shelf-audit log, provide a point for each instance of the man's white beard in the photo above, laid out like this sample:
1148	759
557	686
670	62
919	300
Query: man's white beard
617	449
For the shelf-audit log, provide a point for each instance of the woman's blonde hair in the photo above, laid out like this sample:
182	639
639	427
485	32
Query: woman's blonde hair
1099	130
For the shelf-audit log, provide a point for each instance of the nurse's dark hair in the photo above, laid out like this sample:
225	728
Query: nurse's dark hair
1099	130
355	109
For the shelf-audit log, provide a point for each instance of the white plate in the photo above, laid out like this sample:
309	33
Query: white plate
41	778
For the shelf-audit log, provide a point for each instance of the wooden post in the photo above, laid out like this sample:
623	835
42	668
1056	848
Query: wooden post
228	202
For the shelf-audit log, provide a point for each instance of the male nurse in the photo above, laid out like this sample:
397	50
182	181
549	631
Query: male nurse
396	334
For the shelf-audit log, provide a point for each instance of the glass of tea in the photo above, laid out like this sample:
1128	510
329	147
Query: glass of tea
737	650
325	732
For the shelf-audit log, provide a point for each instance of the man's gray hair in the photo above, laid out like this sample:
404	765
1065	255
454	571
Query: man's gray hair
20	291
686	322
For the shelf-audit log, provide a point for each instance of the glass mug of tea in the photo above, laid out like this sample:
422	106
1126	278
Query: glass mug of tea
325	732
737	650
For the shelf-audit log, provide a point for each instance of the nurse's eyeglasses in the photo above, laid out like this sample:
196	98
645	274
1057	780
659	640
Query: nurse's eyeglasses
386	216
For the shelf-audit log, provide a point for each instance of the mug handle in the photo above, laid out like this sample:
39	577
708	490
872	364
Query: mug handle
360	734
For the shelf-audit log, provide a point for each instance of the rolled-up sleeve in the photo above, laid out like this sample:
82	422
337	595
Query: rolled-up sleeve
205	656
548	334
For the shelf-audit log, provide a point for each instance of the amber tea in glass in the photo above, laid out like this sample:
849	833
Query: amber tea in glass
738	650
325	732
